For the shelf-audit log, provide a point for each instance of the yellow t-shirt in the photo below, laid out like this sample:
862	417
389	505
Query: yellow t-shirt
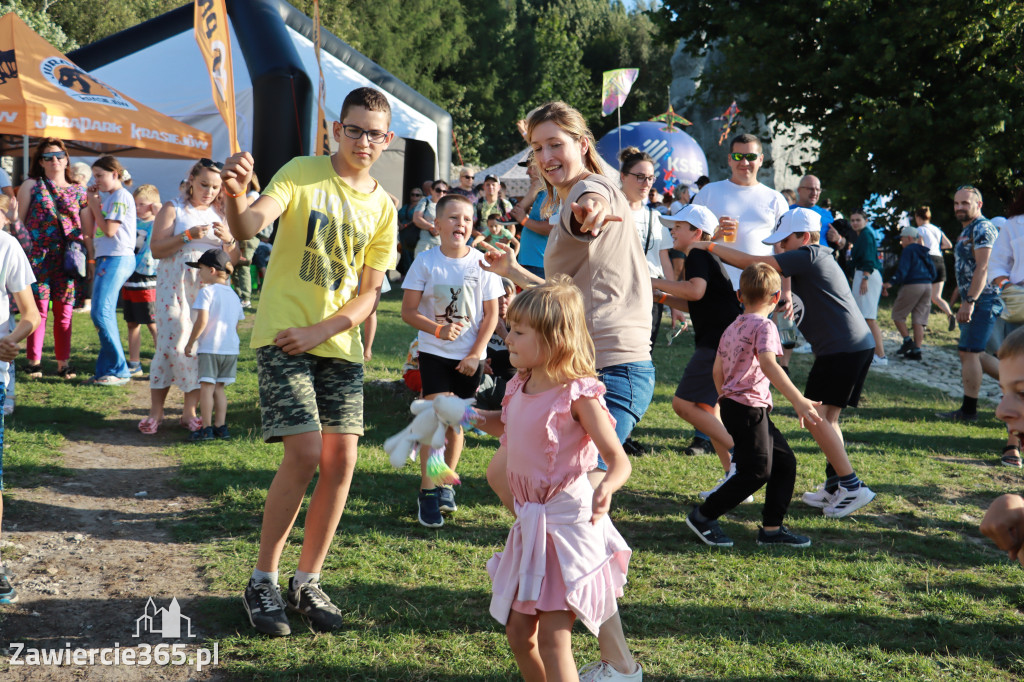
327	232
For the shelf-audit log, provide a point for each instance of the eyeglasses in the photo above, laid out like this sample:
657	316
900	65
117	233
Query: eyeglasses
441	191
416	194
211	164
749	156
52	156
641	178
466	177
355	132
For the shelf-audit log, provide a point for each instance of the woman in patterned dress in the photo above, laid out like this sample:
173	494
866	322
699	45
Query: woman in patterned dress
184	228
55	212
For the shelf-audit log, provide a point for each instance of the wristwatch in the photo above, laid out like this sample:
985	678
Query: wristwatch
970	300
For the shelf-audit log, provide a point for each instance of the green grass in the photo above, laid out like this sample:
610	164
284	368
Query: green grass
906	589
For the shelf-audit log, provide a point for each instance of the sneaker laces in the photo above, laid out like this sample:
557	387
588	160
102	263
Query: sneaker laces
317	598
270	598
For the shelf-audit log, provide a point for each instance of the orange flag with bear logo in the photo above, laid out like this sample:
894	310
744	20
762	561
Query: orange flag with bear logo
215	43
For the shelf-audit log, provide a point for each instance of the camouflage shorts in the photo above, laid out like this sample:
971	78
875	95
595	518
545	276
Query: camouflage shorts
302	393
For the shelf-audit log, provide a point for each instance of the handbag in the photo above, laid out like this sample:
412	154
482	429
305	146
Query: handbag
74	259
1013	303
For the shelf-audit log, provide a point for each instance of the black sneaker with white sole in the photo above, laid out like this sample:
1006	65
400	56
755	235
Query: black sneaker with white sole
265	608
314	605
907	345
783	537
710	533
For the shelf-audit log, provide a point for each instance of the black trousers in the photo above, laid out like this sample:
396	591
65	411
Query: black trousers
761	456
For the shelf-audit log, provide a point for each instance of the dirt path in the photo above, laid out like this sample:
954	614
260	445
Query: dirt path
88	551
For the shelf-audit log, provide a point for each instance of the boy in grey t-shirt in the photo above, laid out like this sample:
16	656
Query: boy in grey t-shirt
827	316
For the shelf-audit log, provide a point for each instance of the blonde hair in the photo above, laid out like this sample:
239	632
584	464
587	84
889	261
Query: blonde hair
5	203
147	192
1013	345
572	124
555	310
758	283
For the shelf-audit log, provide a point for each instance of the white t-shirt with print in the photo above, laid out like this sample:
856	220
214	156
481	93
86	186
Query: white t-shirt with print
646	220
454	291
120	206
220	337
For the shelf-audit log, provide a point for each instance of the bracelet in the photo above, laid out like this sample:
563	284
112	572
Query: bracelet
662	298
711	247
437	332
234	196
185	237
91	262
525	219
1002	287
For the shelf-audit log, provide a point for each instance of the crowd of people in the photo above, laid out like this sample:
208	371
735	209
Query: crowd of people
544	309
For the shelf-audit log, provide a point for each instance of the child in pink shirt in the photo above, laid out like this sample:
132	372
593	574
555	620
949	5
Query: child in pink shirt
744	371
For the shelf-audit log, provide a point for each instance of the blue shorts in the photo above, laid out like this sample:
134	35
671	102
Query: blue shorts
630	388
974	335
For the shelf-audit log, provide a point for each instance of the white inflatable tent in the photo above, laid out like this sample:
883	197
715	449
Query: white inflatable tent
158	62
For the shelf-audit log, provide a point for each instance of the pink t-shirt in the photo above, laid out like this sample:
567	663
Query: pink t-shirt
744	339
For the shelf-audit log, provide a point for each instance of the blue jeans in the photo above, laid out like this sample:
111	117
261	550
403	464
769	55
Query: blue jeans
630	388
111	274
974	335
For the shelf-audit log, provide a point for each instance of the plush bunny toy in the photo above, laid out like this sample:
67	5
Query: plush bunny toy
432	418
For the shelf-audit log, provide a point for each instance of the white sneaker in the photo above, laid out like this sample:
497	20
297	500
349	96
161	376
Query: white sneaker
879	362
705	494
594	672
848	501
819	499
804	349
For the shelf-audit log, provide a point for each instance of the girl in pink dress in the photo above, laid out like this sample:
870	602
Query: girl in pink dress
563	559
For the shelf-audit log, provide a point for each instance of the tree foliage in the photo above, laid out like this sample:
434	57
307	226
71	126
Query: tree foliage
40	22
911	98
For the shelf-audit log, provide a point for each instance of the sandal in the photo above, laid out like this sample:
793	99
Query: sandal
149	426
34	371
66	372
1011	456
193	424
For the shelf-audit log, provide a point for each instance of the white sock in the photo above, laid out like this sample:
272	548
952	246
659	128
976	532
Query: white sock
301	578
264	576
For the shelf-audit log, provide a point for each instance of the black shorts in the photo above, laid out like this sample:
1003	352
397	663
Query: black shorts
940	269
138	312
837	379
698	382
439	375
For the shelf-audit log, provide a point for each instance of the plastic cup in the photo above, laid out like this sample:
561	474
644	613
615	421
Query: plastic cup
729	233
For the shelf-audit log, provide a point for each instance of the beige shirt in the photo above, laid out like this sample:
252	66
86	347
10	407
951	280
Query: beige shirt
611	272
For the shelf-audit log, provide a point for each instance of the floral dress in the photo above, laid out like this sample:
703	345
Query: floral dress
50	225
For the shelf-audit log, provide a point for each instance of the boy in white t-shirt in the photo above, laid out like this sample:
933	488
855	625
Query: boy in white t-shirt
16	280
453	302
218	311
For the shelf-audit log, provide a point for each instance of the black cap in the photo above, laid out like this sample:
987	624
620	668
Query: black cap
527	161
214	258
489	178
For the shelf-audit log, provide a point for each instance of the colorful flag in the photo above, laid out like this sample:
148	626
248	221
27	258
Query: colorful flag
214	40
323	142
615	88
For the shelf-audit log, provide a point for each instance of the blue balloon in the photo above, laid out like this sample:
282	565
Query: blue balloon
673	151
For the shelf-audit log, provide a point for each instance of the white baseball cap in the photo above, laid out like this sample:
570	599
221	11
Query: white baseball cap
793	221
700	217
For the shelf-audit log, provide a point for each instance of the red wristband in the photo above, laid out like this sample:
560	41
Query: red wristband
711	247
437	332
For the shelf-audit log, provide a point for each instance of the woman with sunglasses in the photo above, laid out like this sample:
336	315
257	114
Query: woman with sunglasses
55	212
636	174
423	217
184	228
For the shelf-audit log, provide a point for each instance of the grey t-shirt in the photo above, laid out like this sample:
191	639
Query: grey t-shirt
828	317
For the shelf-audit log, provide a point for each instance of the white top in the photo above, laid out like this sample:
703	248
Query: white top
454	291
120	206
931	236
647	220
1007	259
187	216
757	208
5	179
220	337
15	275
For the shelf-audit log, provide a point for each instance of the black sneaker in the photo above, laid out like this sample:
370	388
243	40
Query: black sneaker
710	533
907	345
201	435
446	499
265	607
952	322
913	354
8	595
429	514
314	605
957	415
633	448
699	446
221	432
782	538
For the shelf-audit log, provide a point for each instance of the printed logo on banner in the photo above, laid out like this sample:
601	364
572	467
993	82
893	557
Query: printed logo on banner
79	85
8	66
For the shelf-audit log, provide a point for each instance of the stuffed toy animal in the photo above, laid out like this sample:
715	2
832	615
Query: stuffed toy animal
432	419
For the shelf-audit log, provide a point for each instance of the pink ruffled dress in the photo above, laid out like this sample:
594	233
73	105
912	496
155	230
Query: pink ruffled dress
554	559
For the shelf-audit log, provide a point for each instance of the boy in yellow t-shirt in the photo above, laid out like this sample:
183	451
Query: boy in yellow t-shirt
335	240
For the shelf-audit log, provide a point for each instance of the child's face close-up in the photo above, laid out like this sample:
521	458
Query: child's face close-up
104	180
208	275
455	225
525	350
684	234
1011	407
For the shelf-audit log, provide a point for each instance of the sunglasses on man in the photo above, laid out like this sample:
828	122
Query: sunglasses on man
749	156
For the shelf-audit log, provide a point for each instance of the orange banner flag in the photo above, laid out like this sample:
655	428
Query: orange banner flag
323	142
214	40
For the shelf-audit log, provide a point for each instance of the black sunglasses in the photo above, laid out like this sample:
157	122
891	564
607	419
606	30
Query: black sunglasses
210	163
51	156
